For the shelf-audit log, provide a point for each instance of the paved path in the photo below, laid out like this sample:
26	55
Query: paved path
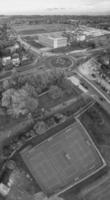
92	85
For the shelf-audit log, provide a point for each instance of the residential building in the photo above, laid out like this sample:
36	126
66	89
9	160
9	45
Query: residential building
6	60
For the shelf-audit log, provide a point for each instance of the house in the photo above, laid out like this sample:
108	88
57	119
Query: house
6	60
15	59
13	48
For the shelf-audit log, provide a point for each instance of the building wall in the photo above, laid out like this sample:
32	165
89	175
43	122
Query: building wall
52	42
62	42
44	40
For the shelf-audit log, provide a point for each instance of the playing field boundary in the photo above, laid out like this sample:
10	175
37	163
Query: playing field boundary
103	163
93	173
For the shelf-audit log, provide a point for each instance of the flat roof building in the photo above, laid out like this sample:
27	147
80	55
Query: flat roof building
63	160
52	40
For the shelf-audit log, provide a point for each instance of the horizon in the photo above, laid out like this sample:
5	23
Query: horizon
58	7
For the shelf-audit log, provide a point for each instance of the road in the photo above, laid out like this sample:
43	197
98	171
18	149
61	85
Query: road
95	93
93	86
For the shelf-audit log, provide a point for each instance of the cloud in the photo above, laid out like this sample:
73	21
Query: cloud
8	6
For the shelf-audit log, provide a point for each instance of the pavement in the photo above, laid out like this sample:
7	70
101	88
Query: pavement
95	93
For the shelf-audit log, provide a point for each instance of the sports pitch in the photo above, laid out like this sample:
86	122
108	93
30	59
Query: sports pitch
63	160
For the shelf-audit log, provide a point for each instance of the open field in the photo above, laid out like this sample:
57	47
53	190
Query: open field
47	102
41	28
100	190
67	49
64	160
33	43
99	132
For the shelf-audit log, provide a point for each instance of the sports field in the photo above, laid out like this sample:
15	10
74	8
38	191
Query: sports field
41	28
63	160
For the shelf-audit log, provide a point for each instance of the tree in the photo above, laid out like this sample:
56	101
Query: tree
55	92
6	84
14	78
8	66
30	90
1	67
15	101
40	127
31	104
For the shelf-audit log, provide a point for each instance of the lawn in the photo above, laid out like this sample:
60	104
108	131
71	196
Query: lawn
101	191
40	28
47	102
63	160
59	61
66	49
32	31
99	132
33	43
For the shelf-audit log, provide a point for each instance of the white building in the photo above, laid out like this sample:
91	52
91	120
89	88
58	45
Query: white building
53	40
6	60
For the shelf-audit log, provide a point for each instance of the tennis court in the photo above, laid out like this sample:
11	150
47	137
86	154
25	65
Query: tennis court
62	160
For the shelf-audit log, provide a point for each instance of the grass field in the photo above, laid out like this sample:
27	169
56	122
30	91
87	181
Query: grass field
41	28
100	190
47	102
99	132
33	43
66	49
63	160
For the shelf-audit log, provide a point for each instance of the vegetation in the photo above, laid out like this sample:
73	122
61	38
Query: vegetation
96	120
55	92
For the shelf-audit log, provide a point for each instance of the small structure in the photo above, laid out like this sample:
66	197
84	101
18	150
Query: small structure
4	190
15	59
6	60
14	47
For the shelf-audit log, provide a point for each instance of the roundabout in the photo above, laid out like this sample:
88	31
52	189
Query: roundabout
60	62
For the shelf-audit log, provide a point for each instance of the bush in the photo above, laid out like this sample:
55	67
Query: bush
40	127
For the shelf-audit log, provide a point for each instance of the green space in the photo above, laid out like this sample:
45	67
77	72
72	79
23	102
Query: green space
32	31
28	100
66	49
40	28
55	163
33	43
101	191
59	61
97	122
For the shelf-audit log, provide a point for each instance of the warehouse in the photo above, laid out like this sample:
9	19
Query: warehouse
52	40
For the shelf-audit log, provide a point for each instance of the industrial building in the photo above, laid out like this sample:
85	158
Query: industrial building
53	40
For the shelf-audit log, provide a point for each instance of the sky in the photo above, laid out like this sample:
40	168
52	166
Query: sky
36	6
